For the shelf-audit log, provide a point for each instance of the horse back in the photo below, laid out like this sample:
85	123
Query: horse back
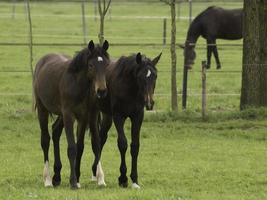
47	76
222	23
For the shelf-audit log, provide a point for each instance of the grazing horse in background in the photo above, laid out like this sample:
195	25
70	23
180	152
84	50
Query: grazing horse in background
213	23
131	82
69	88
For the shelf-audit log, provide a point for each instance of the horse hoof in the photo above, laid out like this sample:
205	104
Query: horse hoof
56	181
123	185
123	182
74	187
189	67
48	184
218	66
101	183
79	185
135	186
73	184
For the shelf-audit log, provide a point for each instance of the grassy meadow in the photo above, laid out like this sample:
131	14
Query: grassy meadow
182	157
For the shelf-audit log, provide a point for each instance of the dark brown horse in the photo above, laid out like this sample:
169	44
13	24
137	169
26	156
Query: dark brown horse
213	23
69	88
131	82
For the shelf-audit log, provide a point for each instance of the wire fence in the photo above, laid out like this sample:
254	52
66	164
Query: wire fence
132	43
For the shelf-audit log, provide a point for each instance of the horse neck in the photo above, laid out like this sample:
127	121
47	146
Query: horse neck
194	32
83	81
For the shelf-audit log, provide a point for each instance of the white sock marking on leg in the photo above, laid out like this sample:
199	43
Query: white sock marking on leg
135	186
46	175
100	175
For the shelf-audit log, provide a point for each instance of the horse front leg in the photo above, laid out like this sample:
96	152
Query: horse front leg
135	136
122	145
80	147
216	55
105	125
209	51
98	173
68	121
56	133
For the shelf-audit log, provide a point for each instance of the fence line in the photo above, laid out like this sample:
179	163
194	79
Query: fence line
159	71
112	44
135	17
156	94
90	36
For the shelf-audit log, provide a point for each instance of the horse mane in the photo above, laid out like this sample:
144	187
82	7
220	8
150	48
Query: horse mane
126	65
80	60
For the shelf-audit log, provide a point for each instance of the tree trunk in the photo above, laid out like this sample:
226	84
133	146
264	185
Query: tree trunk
173	58
101	30
254	75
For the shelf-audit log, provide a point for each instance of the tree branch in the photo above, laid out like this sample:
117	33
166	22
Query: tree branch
106	9
99	7
166	1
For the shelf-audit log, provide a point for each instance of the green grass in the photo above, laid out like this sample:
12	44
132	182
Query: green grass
181	157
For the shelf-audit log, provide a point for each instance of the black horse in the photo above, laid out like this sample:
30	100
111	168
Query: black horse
69	88
131	82
213	23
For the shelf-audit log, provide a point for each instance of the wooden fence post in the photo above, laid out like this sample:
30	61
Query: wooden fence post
84	23
184	92
95	9
204	92
30	46
179	9
190	11
164	31
14	9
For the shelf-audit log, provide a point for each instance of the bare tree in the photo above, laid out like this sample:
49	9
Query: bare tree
174	103
254	73
103	7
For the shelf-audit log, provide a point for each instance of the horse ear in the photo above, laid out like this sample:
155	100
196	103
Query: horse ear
156	60
138	58
91	45
181	46
105	45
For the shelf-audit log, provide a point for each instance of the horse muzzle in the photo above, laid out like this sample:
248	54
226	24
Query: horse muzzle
149	105
101	93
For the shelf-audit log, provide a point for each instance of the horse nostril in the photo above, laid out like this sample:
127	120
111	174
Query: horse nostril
150	105
101	93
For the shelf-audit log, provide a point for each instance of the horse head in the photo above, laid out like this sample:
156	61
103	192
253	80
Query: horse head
98	60
189	54
146	78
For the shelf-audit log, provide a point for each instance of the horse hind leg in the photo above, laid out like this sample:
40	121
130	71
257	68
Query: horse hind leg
209	51
56	133
216	55
45	141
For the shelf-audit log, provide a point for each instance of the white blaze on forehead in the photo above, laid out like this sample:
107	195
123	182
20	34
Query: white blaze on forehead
148	73
99	59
